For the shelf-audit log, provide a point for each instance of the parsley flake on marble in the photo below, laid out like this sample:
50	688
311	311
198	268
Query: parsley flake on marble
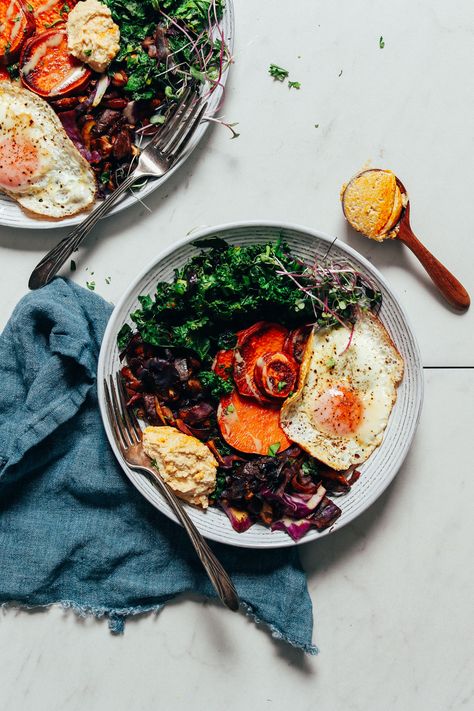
278	73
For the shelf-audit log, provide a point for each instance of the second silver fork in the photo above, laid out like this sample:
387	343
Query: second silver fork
155	160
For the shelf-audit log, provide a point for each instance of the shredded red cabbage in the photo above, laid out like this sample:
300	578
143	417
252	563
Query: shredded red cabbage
69	122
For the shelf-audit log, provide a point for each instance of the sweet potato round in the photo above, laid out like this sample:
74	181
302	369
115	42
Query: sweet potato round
252	344
48	69
250	426
17	24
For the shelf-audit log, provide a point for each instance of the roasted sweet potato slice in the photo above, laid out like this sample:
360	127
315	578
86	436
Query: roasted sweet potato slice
252	344
250	426
47	68
16	24
296	342
276	374
50	13
223	363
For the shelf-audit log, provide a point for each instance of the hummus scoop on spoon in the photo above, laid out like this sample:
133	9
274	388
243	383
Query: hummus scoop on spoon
375	203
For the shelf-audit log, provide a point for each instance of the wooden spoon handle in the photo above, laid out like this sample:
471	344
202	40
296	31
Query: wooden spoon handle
449	286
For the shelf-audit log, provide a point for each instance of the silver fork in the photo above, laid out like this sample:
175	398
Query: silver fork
128	436
155	160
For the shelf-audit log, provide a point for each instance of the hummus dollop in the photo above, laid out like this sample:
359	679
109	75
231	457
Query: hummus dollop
93	37
185	464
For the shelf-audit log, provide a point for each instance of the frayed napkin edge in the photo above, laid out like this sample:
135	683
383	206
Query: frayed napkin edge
117	617
278	634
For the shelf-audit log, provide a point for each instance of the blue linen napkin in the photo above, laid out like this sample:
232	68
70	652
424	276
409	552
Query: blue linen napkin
73	530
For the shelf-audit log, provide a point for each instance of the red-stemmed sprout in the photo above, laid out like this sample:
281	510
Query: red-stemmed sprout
317	281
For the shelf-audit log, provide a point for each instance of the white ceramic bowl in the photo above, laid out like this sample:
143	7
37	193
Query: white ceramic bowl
12	215
381	467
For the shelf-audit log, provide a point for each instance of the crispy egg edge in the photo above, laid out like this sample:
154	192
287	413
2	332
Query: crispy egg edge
8	86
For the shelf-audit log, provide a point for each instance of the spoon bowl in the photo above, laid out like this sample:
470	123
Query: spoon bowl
452	289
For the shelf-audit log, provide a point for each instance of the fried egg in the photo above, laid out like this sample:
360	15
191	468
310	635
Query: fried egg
346	392
40	167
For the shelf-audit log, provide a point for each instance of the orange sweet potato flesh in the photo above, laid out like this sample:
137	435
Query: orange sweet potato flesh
47	68
250	426
16	24
252	344
223	363
276	374
51	16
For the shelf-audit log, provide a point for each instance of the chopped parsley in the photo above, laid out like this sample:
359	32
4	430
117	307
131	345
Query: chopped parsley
273	449
381	43
90	285
278	73
73	265
281	385
220	486
13	71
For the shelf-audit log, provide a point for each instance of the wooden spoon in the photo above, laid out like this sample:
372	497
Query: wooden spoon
452	290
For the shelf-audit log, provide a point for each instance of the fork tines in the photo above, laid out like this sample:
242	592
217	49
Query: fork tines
181	124
124	423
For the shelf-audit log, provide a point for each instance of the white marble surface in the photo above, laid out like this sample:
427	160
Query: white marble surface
392	592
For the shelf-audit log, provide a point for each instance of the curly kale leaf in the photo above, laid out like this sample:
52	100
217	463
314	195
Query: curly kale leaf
217	386
221	290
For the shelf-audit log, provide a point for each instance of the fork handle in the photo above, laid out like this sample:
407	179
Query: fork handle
221	581
56	257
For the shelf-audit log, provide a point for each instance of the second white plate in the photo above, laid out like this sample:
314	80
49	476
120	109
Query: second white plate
12	215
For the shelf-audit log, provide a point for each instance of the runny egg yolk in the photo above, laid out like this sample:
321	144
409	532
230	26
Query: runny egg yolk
19	162
338	411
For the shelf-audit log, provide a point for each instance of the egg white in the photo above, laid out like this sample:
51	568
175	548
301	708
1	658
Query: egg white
63	182
370	367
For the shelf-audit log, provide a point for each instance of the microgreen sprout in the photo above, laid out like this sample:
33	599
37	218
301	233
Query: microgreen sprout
219	120
333	289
